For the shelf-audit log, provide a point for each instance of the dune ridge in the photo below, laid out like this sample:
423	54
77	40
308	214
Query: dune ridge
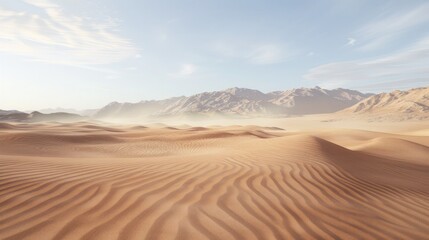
86	181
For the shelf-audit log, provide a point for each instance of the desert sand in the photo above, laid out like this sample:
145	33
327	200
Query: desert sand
96	181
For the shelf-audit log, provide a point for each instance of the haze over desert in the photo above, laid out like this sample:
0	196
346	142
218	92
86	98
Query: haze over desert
215	119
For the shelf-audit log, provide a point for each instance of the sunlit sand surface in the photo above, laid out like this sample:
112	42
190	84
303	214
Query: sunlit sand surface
93	181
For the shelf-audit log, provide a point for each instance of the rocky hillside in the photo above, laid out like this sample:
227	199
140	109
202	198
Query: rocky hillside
411	104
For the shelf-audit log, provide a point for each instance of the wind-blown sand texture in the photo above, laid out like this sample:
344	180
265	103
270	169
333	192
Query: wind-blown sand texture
86	181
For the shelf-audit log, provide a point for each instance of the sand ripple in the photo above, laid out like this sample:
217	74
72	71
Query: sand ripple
79	181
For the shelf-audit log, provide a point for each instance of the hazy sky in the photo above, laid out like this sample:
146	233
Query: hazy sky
87	53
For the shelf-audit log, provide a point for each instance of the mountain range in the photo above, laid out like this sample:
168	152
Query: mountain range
239	102
85	113
16	116
243	102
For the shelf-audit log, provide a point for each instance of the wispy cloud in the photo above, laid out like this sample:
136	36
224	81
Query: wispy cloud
258	54
187	69
388	27
409	63
50	34
266	54
393	85
350	41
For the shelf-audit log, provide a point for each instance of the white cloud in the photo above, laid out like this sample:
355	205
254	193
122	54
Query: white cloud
409	63
380	32
49	34
351	41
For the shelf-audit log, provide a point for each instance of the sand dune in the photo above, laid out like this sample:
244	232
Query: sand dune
87	181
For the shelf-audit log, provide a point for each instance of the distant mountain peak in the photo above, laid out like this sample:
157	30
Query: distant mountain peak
113	103
238	90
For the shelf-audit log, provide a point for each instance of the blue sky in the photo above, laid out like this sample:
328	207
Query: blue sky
85	54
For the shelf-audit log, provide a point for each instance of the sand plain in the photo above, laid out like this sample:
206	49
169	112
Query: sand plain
97	181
